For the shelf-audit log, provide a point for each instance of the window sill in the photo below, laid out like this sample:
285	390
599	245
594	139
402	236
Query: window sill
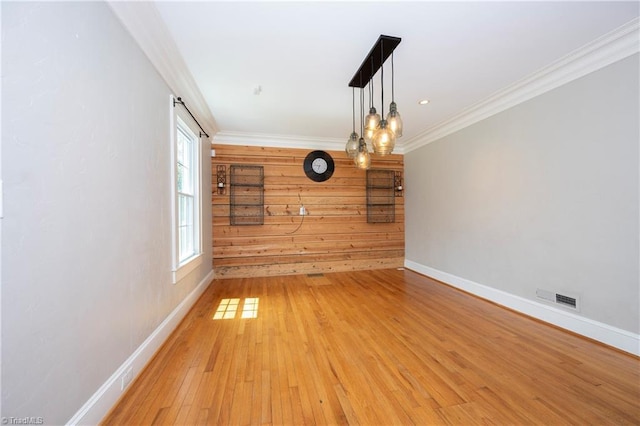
187	267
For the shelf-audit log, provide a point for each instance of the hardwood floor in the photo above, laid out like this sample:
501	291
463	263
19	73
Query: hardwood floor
381	347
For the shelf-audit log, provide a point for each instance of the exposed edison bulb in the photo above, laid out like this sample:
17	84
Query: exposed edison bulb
394	121
363	158
383	140
352	145
371	123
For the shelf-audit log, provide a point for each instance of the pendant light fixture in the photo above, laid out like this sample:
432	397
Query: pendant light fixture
394	121
372	122
383	140
352	144
381	132
362	158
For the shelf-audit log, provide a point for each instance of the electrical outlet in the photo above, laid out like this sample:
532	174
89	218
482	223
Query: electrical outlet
303	211
126	378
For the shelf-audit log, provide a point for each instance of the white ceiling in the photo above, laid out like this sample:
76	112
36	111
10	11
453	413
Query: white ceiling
303	55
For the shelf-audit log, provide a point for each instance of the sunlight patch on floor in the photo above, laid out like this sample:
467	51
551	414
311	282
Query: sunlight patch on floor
250	309
228	308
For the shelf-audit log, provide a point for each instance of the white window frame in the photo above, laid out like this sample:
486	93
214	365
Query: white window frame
179	118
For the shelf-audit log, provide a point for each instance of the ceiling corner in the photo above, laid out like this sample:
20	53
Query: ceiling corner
143	21
611	47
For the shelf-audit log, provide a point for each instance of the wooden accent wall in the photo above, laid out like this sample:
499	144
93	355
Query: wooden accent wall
334	236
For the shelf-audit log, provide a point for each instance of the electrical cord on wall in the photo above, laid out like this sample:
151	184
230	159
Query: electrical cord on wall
303	214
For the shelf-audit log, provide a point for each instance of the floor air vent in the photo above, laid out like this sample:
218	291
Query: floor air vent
560	299
315	275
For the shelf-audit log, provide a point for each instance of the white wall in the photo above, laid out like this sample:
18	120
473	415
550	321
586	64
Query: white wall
543	195
86	242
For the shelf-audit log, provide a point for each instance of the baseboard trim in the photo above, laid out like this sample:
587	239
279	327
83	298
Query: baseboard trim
94	410
601	332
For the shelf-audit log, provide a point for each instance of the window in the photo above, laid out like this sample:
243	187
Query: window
186	187
186	196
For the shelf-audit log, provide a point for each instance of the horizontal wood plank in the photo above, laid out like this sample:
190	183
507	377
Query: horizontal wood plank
299	238
319	258
345	212
310	248
249	271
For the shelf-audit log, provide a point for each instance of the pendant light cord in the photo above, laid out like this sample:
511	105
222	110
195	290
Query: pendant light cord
362	113
393	79
353	109
370	94
382	78
371	87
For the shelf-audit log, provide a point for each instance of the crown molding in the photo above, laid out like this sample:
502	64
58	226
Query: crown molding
278	141
143	21
612	47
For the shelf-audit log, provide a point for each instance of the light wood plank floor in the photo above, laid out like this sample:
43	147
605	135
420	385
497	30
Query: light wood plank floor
375	348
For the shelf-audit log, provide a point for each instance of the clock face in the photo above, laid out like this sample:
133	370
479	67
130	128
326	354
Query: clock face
318	166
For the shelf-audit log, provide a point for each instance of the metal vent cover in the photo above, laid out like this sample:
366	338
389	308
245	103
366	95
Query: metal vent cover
566	300
571	301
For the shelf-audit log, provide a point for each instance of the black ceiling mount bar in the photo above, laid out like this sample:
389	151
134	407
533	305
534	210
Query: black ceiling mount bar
374	60
181	102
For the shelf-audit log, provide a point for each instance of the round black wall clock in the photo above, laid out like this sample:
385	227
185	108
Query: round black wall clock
318	166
